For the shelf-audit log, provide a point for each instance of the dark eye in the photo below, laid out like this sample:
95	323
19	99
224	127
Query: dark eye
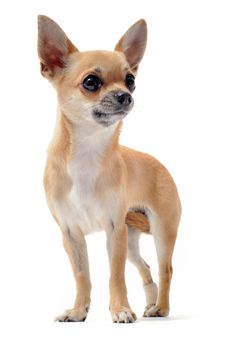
130	82
92	83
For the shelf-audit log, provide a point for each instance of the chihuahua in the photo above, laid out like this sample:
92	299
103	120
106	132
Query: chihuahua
92	183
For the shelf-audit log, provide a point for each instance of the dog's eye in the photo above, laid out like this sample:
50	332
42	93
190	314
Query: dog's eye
92	83
130	82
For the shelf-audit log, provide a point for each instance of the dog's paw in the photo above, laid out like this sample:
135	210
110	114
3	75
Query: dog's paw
73	315
153	310
124	316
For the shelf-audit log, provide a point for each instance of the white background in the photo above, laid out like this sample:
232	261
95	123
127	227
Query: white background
183	116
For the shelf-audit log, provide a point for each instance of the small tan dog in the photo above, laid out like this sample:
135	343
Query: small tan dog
92	183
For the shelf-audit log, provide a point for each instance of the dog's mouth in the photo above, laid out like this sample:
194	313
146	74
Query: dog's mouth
108	118
100	114
113	107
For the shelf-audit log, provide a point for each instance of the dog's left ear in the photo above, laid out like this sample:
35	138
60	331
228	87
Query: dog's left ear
133	43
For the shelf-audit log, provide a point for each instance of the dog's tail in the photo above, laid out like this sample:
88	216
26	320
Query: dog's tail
138	221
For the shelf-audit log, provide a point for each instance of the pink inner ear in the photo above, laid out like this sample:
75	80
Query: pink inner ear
53	57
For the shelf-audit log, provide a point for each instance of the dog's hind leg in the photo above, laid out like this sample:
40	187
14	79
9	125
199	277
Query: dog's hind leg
164	232
150	288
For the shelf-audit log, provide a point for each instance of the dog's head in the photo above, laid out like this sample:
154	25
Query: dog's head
94	86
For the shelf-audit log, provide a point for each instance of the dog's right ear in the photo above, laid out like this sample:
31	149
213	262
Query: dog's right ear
53	47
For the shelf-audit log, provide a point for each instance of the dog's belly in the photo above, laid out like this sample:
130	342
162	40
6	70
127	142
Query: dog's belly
80	211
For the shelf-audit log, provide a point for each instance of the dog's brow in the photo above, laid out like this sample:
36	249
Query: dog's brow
98	70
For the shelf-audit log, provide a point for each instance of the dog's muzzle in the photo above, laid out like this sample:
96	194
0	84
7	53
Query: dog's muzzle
113	107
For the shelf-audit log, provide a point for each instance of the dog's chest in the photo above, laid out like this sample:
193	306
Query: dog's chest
82	207
85	210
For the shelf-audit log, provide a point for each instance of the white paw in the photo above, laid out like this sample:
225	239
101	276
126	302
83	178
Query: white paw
72	315
152	310
124	317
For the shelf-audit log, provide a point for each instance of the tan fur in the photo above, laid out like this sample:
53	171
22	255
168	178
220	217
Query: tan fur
138	221
123	179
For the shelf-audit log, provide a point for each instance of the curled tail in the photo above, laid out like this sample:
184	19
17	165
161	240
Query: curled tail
138	221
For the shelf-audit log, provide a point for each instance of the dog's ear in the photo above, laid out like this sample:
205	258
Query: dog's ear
133	43
53	47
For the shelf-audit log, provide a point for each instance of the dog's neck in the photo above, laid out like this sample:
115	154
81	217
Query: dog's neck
85	145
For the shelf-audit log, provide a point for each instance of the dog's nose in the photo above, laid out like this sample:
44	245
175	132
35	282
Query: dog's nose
124	98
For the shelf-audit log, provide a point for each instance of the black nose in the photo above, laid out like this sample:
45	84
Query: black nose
123	98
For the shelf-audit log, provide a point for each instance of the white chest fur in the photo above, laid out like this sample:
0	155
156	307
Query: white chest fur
80	208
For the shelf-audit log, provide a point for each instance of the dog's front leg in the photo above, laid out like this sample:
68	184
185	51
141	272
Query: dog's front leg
75	246
117	251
